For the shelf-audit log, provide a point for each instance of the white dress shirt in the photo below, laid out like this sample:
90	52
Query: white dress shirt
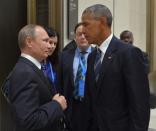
32	59
103	47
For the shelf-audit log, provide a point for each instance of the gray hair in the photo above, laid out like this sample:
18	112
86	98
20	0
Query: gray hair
26	31
99	10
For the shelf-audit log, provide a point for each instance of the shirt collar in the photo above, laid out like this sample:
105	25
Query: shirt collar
32	59
87	51
103	47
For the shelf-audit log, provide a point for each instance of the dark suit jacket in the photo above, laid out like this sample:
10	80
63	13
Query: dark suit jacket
71	45
119	100
67	80
66	73
30	99
146	62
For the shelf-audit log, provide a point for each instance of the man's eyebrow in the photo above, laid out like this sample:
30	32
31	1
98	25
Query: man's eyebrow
45	39
82	23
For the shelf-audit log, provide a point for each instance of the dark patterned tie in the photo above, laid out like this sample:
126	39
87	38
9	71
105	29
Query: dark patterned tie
43	68
97	64
79	75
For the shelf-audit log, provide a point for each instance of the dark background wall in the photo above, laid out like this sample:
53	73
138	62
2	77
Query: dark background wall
13	16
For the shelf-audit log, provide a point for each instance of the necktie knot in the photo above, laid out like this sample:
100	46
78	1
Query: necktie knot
98	53
83	52
43	67
82	57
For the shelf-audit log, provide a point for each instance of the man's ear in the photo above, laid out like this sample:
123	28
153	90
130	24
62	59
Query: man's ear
28	41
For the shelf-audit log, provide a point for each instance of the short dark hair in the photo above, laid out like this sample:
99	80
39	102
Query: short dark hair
54	58
99	10
125	32
51	32
77	25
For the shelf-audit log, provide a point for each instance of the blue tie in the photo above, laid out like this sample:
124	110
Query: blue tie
80	77
47	70
97	64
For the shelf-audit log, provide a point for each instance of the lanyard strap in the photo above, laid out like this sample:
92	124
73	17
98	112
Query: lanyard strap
51	72
84	69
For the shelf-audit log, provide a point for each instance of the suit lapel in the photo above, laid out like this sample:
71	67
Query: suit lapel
71	60
108	58
90	66
38	71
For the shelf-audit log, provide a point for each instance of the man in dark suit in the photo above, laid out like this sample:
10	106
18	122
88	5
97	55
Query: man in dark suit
73	70
127	37
31	102
117	91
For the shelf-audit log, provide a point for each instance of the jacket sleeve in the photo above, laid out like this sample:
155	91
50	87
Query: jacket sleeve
30	112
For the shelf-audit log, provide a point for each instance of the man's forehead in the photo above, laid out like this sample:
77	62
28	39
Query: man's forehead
127	35
87	15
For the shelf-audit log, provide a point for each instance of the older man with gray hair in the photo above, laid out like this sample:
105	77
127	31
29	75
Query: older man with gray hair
32	104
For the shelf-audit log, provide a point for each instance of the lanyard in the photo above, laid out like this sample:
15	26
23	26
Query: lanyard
84	69
53	77
51	72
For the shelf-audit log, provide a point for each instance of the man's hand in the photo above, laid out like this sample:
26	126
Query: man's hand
61	100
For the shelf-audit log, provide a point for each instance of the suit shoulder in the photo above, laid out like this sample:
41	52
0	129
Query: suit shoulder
125	47
70	45
23	70
68	52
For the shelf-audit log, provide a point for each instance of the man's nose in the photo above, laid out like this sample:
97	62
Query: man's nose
83	35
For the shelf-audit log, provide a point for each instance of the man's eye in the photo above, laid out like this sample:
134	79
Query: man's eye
50	41
85	24
45	40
